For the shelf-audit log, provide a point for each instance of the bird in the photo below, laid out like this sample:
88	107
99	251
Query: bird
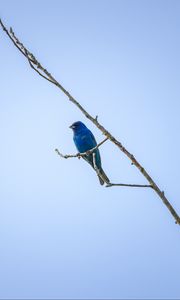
84	140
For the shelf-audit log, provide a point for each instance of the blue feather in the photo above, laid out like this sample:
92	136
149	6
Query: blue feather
84	141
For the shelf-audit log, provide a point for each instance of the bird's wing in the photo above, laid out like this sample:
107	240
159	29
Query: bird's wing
92	140
91	143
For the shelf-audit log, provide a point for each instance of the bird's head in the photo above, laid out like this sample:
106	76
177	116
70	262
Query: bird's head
77	126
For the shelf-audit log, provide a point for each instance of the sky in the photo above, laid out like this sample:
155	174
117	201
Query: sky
63	236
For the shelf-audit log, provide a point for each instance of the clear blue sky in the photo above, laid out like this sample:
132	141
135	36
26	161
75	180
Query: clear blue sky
62	234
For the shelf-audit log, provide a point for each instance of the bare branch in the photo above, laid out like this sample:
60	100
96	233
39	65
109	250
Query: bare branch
129	185
46	75
35	69
80	154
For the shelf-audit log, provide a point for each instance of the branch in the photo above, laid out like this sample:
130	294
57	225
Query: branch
80	154
129	185
46	75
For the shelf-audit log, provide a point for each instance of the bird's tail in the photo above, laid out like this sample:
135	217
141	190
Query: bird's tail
102	177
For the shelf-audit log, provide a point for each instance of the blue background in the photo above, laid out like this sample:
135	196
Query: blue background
62	234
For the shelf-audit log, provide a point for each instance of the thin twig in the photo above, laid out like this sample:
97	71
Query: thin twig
95	121
80	154
129	185
32	66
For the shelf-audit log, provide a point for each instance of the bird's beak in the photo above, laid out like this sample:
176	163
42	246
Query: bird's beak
71	126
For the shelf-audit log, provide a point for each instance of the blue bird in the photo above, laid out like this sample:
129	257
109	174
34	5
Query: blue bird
84	141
